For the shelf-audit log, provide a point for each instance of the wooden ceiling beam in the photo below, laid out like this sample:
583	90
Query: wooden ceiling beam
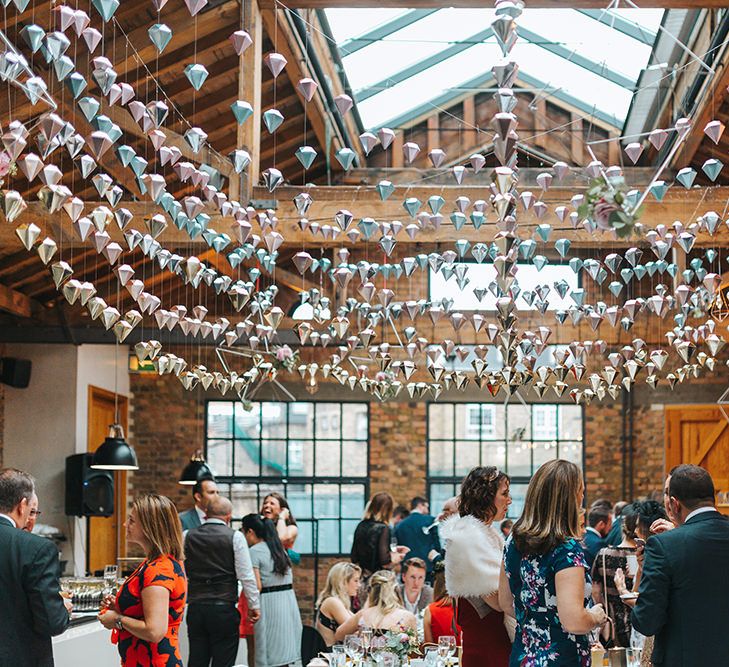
678	204
15	303
485	4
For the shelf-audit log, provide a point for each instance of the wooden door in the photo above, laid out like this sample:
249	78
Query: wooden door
106	534
699	434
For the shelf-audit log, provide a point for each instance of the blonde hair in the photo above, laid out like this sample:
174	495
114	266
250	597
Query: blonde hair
379	508
339	576
383	594
160	523
551	514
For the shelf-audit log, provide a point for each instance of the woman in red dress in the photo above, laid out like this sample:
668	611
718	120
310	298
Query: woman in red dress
474	551
145	617
438	620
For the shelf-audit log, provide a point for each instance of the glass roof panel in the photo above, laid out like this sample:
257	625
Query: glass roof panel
548	64
348	23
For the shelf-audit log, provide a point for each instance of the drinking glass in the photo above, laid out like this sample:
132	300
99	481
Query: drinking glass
353	647
385	659
110	575
446	646
339	657
633	656
432	657
366	636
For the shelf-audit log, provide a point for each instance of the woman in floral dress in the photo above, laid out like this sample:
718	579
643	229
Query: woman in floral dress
545	570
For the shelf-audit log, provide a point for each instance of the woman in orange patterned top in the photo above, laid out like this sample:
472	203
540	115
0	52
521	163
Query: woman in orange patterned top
145	617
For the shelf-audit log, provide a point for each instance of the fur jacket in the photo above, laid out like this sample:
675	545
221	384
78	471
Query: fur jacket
474	552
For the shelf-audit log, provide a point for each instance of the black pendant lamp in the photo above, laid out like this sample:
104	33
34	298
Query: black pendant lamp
115	453
196	470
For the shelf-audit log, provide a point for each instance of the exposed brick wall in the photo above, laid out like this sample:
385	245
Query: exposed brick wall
397	449
166	426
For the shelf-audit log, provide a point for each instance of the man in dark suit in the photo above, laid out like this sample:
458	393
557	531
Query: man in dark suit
599	522
202	493
684	590
32	610
419	534
615	536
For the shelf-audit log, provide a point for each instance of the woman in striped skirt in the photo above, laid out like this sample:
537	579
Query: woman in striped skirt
278	633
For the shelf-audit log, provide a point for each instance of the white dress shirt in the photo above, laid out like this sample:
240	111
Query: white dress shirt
243	566
200	514
701	510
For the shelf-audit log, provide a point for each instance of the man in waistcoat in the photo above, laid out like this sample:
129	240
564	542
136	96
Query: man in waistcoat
216	559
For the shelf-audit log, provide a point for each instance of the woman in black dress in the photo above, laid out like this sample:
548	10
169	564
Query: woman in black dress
371	544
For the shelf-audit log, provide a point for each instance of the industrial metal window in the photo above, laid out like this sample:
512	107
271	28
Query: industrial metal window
315	454
516	438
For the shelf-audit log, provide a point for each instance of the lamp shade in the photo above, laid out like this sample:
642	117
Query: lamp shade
195	471
115	453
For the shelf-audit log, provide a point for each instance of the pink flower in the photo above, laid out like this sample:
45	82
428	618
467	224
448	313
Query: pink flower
381	376
283	353
601	213
404	638
5	163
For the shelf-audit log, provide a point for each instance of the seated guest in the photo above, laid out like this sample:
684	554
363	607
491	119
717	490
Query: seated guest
202	493
278	632
334	605
599	522
33	610
419	535
384	610
544	577
416	594
610	559
438	619
148	609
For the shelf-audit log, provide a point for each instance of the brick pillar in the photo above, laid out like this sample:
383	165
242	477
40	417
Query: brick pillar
397	449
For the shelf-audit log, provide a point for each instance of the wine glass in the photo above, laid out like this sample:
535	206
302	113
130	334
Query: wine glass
446	646
353	647
366	637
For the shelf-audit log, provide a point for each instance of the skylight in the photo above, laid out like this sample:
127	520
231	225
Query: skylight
403	63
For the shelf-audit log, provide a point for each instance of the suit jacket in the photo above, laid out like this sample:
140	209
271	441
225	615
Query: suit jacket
190	519
409	533
592	543
615	536
32	609
426	597
684	593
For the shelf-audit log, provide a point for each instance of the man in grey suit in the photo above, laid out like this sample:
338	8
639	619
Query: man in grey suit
684	590
33	610
203	492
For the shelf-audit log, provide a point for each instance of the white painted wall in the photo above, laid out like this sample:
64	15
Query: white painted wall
47	422
96	368
40	427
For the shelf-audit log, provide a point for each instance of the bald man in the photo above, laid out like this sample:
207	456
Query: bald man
216	559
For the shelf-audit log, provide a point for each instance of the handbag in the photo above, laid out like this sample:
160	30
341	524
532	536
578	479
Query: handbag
610	637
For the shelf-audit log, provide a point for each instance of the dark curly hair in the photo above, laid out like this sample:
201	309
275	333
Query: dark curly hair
478	491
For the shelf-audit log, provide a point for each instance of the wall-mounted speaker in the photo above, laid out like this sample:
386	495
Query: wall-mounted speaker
15	372
89	492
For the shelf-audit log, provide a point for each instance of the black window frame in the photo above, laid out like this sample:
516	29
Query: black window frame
456	480
284	481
